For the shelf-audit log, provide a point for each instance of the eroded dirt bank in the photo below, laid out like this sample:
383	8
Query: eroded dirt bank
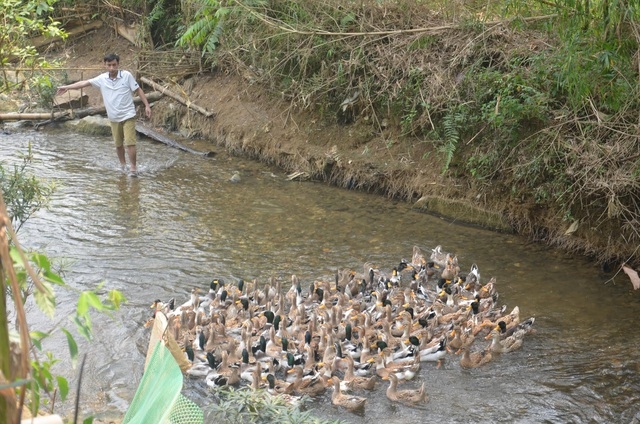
252	122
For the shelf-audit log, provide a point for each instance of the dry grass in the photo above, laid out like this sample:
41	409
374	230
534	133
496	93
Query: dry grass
168	64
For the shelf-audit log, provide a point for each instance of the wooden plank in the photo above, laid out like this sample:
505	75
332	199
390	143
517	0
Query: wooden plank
129	33
143	129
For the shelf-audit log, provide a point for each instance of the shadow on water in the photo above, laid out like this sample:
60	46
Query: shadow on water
182	223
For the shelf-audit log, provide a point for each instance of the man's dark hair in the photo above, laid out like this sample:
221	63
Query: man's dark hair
111	57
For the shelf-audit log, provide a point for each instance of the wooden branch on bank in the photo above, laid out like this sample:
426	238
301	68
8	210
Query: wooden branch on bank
177	97
143	129
70	114
42	41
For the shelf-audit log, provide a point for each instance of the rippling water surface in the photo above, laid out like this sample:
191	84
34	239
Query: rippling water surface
182	223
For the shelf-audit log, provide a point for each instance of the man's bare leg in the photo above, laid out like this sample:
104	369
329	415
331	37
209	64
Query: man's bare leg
120	152
131	151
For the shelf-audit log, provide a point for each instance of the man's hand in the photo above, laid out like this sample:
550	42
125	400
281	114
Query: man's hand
61	90
147	111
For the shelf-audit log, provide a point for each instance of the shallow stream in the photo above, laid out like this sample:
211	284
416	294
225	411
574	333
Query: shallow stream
182	223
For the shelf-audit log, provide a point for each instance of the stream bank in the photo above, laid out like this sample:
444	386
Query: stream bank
249	121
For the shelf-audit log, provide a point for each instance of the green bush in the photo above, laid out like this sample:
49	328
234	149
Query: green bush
32	274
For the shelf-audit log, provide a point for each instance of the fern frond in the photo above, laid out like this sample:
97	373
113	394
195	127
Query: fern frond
451	137
157	12
204	33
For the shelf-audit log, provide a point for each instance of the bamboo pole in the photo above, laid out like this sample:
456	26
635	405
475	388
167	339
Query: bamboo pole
31	116
71	114
48	419
8	404
177	97
56	69
7	397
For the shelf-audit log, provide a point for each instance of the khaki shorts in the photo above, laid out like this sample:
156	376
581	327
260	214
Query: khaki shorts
124	132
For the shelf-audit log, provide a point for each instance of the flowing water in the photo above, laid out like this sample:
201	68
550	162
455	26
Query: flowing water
182	223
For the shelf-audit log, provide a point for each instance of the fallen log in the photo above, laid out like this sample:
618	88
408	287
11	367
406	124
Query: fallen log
70	114
177	97
144	130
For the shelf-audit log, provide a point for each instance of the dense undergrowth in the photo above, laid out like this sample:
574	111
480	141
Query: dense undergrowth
532	106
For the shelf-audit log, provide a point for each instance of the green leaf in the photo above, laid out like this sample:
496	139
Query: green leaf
17	383
116	298
16	257
95	301
73	348
222	12
52	277
347	19
63	385
21	275
83	304
35	397
46	301
88	420
46	375
37	337
83	325
42	261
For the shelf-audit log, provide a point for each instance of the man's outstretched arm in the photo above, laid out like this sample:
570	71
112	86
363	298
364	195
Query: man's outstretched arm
80	84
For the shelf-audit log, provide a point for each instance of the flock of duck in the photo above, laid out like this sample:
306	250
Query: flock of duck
345	334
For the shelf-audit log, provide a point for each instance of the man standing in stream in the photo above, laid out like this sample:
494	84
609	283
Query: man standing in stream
117	88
